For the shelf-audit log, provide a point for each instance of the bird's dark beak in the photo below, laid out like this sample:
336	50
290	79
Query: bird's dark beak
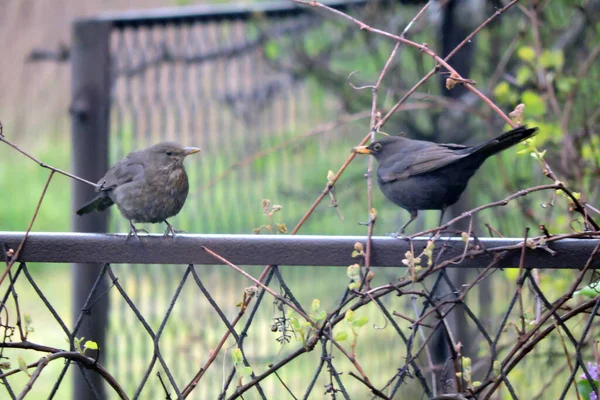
361	150
190	150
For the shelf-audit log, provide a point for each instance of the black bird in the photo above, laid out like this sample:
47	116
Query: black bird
419	175
148	185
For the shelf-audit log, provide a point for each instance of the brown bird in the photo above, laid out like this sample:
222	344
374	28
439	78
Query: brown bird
419	175
148	185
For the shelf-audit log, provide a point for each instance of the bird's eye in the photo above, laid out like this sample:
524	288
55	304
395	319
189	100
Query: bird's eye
377	146
169	153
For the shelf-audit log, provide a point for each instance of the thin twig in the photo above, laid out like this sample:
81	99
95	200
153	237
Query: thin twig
15	256
44	165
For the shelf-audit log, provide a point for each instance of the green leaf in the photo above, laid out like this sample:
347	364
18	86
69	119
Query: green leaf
504	93
534	104
28	324
523	75
553	59
353	272
296	324
341	336
565	84
501	90
466	361
23	365
588	291
236	356
246	371
585	388
349	316
272	50
90	344
320	316
360	322
526	53
77	344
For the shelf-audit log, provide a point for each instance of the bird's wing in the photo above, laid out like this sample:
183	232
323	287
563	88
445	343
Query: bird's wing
420	161
125	171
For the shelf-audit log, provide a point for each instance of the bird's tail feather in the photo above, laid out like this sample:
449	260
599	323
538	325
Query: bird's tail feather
505	140
100	203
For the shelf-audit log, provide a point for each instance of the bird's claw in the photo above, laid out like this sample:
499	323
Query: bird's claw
400	235
134	232
171	232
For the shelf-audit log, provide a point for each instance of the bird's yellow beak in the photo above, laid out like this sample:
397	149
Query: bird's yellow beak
190	150
361	150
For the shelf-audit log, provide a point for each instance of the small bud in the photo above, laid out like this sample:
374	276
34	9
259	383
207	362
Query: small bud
330	176
373	214
266	204
497	367
349	316
466	362
281	228
353	272
517	113
451	81
370	276
358	246
316	304
237	356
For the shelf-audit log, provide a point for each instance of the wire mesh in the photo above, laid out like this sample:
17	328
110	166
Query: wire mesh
162	337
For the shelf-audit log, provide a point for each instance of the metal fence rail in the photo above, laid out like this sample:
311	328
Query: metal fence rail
306	250
405	308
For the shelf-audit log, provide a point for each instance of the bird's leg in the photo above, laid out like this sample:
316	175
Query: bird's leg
400	233
443	210
436	232
133	232
413	216
170	230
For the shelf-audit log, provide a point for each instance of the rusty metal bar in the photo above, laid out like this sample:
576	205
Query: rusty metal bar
281	250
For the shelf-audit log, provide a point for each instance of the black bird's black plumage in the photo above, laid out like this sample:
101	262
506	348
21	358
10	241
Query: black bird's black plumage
419	175
148	185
